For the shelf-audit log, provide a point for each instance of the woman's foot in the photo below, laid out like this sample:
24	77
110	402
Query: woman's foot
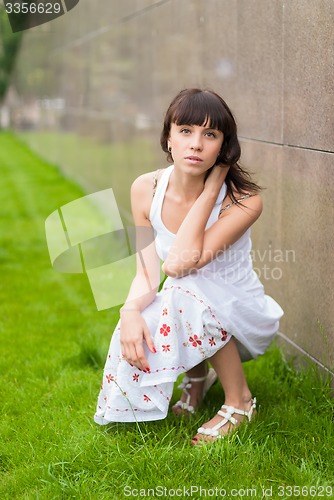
194	390
226	421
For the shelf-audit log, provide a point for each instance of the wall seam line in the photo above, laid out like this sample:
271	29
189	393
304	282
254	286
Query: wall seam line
284	145
300	349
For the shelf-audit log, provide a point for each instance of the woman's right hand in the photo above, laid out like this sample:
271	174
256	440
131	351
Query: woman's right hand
216	177
134	331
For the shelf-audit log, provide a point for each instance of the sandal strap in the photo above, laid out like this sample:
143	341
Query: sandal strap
230	410
227	415
197	379
185	406
252	408
186	383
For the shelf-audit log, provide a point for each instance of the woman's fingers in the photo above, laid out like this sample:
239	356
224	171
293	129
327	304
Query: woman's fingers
219	172
133	353
141	361
148	339
217	177
132	345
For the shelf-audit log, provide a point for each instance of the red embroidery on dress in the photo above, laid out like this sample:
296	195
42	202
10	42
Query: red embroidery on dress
166	348
161	392
212	341
146	398
199	300
164	311
110	378
135	377
164	330
195	341
224	335
128	409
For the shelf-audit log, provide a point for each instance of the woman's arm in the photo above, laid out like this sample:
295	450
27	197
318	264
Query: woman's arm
194	247
145	285
147	280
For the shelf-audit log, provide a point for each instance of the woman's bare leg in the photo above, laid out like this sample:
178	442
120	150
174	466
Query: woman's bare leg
196	390
228	367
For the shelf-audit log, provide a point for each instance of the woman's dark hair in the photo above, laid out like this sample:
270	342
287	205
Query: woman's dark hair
206	108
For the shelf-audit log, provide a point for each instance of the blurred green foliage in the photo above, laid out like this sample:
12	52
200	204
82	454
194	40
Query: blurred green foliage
9	47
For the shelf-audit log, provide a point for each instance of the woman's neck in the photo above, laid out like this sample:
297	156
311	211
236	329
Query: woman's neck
187	188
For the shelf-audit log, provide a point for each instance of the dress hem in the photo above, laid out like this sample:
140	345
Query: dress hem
129	418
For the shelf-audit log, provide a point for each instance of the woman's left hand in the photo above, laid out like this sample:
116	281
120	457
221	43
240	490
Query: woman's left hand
216	178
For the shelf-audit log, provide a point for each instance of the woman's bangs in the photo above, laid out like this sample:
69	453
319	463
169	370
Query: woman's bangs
201	109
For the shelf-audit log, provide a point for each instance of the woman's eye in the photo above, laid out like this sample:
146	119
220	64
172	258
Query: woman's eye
184	130
211	134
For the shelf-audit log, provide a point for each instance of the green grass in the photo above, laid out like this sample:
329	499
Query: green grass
53	345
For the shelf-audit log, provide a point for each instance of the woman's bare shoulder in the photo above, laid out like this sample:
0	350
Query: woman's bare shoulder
251	200
143	187
141	183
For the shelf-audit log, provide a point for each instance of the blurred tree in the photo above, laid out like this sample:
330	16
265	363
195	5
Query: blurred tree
9	47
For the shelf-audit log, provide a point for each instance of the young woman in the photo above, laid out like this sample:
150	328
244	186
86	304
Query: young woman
195	216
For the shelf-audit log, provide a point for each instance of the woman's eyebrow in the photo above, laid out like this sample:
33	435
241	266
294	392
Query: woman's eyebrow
213	128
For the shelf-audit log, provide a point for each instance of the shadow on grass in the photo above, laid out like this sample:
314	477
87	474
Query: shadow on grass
90	353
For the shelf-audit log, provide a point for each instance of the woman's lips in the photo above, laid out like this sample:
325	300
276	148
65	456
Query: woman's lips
193	159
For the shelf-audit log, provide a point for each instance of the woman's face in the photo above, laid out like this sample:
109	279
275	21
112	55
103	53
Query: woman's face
195	148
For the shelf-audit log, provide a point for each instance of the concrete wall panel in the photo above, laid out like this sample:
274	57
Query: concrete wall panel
308	74
260	76
294	239
219	48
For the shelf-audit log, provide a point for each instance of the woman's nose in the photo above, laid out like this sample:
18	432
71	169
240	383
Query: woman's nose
196	142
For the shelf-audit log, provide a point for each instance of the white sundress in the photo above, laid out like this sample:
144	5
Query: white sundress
190	319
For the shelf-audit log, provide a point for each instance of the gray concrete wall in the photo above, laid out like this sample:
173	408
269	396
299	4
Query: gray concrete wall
116	65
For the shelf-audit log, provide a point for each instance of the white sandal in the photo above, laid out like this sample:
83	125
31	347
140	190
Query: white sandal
186	384
227	415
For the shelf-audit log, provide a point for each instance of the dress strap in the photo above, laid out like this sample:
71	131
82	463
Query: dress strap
155	181
248	195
